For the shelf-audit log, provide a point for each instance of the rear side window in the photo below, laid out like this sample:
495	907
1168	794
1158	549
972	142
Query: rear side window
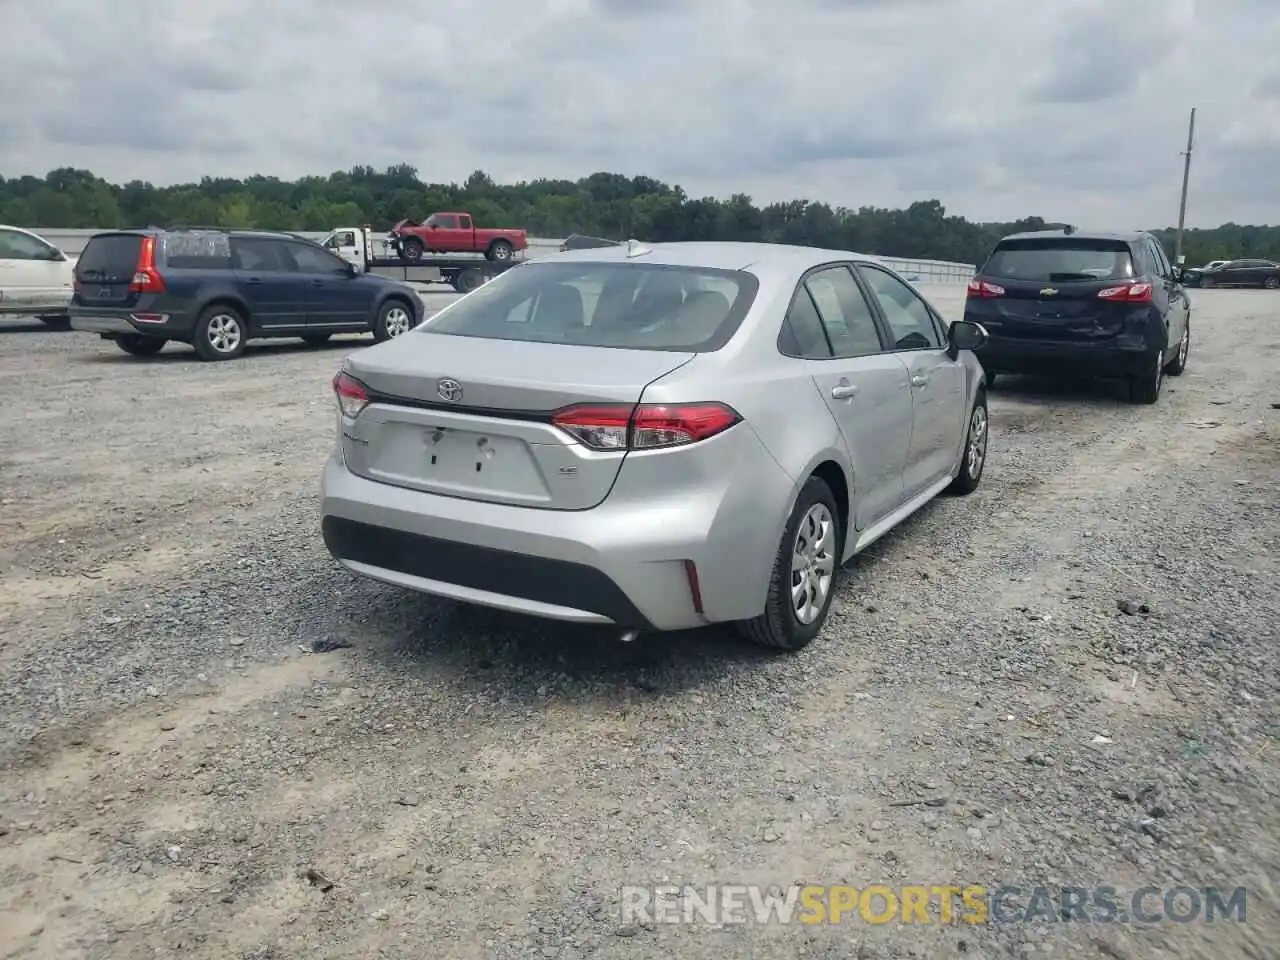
630	306
1060	260
197	250
261	254
846	317
110	256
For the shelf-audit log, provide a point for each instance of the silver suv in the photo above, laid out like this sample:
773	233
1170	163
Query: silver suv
656	438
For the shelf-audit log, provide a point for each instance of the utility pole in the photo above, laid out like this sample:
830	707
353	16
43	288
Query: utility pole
1186	178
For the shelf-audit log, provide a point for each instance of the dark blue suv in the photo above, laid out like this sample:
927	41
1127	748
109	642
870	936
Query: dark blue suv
1062	302
218	289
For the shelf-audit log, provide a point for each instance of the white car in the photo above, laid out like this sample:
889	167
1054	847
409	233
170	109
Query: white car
36	278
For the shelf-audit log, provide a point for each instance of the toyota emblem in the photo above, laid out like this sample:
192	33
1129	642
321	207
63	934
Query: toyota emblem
450	390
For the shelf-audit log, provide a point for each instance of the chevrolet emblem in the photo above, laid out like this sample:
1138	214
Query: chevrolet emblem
1048	292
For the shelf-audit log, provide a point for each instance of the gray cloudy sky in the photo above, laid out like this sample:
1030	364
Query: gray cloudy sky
1070	109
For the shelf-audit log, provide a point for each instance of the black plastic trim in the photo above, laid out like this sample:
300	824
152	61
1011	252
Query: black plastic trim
544	580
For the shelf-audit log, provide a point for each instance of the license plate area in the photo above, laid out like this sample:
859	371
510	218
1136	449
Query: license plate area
469	457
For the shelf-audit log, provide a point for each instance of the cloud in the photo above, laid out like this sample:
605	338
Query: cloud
998	108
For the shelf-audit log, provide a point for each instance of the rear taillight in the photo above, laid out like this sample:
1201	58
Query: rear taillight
352	395
146	278
1127	293
645	426
984	288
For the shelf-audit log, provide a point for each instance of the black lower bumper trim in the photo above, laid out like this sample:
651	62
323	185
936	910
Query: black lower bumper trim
1063	361
558	582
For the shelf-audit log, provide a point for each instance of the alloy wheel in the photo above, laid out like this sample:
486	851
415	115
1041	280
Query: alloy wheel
813	563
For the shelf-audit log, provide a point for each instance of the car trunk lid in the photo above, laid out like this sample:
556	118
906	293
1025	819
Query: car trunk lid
469	417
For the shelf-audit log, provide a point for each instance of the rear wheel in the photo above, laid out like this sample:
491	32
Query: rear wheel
802	584
974	458
468	280
1145	387
316	339
220	333
411	247
394	318
500	250
1179	361
1272	283
140	346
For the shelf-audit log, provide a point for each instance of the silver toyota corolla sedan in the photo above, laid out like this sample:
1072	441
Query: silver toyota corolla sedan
655	437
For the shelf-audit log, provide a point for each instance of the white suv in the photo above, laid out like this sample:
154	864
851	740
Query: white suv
36	278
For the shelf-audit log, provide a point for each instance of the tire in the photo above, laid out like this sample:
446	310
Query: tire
62	322
221	333
140	346
412	248
316	339
395	317
501	250
973	461
1179	362
1145	387
1272	283
779	627
468	280
1205	283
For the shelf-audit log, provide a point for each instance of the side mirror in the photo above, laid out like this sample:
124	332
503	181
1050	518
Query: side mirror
965	335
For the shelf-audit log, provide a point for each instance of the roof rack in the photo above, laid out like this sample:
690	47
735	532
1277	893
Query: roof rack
194	226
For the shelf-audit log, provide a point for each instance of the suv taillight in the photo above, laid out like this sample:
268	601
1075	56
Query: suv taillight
146	278
645	426
1139	292
983	288
352	395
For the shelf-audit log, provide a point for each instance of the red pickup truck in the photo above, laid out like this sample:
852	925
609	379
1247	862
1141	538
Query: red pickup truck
455	233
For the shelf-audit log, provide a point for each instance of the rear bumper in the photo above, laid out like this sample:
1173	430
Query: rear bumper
1119	357
116	322
625	562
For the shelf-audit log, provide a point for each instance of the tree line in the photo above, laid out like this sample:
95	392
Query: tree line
603	204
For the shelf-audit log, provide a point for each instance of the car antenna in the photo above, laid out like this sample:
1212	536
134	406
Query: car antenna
636	249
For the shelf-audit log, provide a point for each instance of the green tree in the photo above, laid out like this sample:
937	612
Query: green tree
604	204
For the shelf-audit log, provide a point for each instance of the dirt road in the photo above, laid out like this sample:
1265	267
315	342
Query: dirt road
1067	679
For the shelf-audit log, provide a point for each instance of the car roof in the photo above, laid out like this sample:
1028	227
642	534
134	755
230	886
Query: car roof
716	254
1128	236
231	232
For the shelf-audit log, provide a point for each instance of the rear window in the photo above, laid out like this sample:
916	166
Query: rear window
197	250
631	306
109	256
1060	260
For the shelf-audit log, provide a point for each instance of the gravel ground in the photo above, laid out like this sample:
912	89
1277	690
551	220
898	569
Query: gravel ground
1068	678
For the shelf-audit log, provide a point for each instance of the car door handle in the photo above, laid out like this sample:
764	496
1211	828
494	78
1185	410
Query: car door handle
254	280
843	392
919	381
317	283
